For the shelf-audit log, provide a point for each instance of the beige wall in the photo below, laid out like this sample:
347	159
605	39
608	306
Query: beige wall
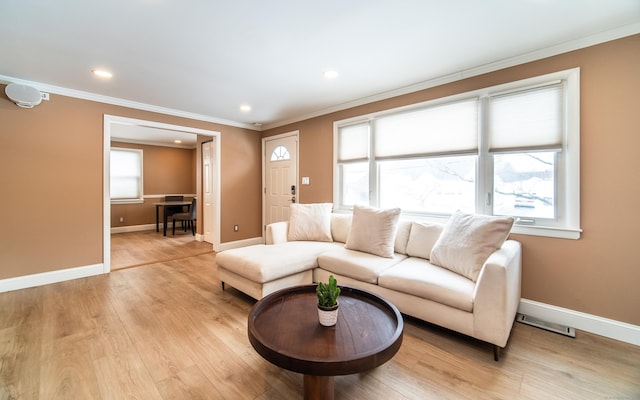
599	273
51	160
166	170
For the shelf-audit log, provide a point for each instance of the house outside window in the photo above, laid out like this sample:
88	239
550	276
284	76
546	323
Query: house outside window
126	183
509	150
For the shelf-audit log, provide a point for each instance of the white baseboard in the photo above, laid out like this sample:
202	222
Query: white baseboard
240	243
136	228
147	227
45	278
590	323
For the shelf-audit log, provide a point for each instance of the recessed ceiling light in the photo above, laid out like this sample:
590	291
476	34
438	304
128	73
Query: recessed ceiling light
177	141
245	108
102	73
330	74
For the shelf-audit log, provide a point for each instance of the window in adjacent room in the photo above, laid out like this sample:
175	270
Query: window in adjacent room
126	175
511	149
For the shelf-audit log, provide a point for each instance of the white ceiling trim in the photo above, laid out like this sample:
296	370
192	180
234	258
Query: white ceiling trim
43	87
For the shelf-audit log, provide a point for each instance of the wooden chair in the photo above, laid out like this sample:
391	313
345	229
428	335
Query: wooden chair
186	218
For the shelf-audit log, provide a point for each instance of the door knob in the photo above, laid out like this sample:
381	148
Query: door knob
293	199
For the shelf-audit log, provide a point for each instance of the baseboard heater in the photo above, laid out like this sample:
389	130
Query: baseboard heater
549	326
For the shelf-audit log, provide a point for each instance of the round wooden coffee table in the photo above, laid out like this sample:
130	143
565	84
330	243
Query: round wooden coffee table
284	329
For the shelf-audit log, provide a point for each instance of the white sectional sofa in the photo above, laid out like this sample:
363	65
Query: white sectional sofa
463	275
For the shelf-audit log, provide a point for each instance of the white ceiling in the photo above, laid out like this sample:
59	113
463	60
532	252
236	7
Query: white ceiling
204	58
131	133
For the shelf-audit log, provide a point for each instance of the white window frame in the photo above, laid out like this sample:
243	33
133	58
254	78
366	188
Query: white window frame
139	199
567	223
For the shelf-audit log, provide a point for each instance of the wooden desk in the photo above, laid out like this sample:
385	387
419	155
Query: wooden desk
164	205
283	328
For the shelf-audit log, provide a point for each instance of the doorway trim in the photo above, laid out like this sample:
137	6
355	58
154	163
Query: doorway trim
109	120
295	134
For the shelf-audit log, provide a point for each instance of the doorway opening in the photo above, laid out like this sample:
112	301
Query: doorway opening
112	123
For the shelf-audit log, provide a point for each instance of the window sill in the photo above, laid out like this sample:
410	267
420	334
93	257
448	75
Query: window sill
560	233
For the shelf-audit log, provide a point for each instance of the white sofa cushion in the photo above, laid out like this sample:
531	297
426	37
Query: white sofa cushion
467	240
402	236
310	222
422	238
356	264
264	263
340	227
420	278
373	230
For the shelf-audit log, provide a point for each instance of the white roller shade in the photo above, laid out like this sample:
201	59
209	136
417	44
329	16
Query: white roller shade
445	129
353	142
126	174
530	119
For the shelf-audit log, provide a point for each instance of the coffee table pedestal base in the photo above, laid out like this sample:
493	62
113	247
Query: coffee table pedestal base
318	387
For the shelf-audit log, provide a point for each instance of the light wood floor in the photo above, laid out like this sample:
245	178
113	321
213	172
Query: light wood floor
133	249
168	331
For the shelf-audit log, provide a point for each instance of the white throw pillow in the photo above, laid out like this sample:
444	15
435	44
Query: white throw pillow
467	240
402	236
310	222
340	227
422	238
373	230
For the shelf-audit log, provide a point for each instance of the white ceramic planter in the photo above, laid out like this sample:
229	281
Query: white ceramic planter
328	316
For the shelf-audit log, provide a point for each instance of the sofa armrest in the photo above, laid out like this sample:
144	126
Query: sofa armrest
497	294
277	232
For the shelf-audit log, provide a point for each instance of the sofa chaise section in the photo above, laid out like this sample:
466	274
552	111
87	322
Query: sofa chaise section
265	268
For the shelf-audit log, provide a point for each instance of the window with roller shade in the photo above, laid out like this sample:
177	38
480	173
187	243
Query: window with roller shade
511	149
126	175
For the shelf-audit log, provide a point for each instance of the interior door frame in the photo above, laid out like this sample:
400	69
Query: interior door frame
295	134
212	181
109	120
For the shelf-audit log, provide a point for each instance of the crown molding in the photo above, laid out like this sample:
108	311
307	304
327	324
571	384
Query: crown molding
43	87
561	48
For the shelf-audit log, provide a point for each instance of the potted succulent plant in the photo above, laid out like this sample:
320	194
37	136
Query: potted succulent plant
328	302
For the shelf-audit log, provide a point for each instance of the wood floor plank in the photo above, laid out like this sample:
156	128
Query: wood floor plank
153	340
66	373
189	384
20	328
167	330
19	362
125	376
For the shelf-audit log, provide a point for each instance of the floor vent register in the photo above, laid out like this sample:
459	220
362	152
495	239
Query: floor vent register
549	326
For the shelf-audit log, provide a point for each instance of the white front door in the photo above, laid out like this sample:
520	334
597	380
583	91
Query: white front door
280	176
208	150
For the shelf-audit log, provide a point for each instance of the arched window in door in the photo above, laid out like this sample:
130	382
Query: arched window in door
280	153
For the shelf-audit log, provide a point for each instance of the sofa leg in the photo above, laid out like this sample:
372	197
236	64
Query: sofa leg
496	350
222	285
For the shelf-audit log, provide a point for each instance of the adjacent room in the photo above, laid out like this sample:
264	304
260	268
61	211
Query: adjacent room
148	168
